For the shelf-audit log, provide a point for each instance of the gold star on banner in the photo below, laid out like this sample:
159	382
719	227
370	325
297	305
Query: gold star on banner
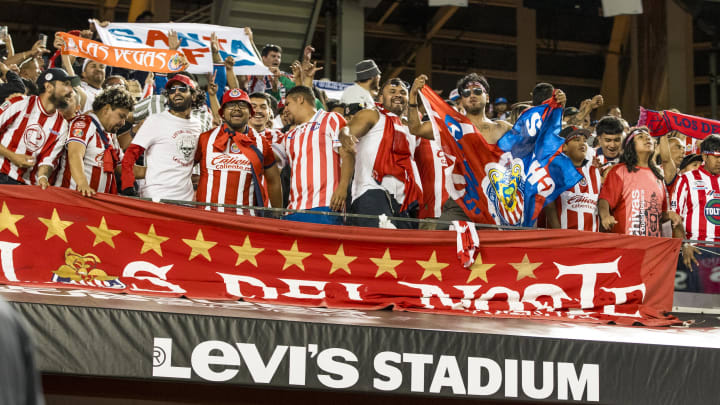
525	268
432	267
294	257
55	226
200	246
8	220
151	241
479	269
246	252
340	261
386	264
103	234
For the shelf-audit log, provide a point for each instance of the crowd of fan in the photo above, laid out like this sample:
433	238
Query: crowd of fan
279	141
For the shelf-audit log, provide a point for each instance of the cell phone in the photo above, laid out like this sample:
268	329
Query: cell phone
3	30
43	39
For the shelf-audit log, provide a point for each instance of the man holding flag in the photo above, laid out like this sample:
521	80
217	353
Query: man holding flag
499	178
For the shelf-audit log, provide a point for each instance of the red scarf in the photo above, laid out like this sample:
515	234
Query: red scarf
394	159
246	146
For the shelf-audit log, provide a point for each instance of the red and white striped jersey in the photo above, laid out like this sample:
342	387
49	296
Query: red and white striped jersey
698	202
84	131
431	163
27	129
227	177
577	207
313	153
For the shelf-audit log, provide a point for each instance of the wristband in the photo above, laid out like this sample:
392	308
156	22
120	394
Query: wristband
413	105
41	176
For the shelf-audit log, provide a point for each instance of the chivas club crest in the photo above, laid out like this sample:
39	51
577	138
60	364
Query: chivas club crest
82	270
503	187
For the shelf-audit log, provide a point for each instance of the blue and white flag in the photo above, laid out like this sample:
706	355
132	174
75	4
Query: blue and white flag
548	172
194	43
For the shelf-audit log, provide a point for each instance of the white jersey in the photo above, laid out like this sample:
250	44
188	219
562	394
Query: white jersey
84	131
91	93
357	95
367	149
697	196
27	129
170	144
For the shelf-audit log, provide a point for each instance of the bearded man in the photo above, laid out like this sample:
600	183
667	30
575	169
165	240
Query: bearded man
169	140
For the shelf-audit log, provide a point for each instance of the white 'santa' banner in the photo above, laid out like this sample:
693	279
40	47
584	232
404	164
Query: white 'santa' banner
194	43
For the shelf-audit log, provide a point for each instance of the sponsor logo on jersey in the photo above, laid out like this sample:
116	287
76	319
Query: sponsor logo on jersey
712	211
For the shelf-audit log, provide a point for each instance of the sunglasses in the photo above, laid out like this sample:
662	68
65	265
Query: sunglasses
476	91
181	89
238	105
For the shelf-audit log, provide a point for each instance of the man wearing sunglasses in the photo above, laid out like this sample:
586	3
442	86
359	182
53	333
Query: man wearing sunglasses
474	96
169	140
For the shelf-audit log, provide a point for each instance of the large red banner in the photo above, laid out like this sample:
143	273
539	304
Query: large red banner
58	238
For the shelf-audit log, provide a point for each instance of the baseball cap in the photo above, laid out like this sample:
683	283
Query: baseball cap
60	74
236	95
501	100
182	79
454	95
687	160
571	132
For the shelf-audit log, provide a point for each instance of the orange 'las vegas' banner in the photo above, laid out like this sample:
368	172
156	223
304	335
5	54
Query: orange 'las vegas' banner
58	238
150	59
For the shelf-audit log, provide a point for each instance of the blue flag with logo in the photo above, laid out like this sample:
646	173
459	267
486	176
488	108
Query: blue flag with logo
535	140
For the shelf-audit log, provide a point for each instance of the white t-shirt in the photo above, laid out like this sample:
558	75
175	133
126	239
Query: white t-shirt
357	95
170	144
91	93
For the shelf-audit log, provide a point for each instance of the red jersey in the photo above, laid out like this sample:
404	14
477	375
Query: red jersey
84	131
577	207
227	177
637	200
27	129
697	198
431	163
312	149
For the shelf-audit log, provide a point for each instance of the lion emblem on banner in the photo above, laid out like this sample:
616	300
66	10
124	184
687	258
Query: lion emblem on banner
82	269
504	188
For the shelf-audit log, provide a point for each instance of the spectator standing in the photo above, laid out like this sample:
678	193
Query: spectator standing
362	93
500	109
321	168
610	133
92	153
13	83
234	159
633	199
386	179
169	140
576	208
33	131
698	200
93	76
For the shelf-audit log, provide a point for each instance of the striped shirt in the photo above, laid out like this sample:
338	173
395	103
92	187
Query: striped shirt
431	163
698	202
83	131
157	104
26	129
577	207
312	149
227	177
